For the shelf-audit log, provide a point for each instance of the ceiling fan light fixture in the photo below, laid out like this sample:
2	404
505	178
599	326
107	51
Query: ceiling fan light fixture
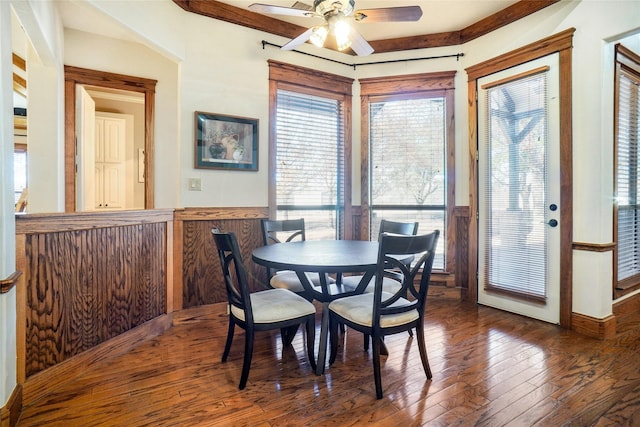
319	35
330	7
343	43
338	15
342	30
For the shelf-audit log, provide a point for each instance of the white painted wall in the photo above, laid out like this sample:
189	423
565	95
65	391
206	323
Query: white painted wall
7	223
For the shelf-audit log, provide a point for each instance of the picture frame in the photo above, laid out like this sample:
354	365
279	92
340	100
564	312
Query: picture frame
225	142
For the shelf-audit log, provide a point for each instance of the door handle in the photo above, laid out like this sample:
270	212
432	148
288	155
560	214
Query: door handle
552	223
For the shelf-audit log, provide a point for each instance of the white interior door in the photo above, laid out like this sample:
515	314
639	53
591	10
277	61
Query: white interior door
85	149
111	156
519	190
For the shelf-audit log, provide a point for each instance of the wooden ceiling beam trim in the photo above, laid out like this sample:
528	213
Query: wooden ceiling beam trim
246	18
235	15
416	42
503	17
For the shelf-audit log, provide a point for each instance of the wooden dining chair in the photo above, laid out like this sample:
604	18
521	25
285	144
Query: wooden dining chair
259	311
384	313
391	227
288	230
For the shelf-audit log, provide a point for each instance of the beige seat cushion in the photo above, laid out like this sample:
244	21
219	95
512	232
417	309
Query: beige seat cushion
274	305
287	279
388	284
359	309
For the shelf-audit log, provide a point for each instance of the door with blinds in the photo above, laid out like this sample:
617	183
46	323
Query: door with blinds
519	190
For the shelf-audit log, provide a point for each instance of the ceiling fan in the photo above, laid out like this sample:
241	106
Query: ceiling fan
337	14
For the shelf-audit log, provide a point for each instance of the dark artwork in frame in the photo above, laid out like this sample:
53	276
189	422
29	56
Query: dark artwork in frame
225	142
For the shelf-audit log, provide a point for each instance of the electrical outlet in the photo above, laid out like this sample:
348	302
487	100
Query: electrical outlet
195	184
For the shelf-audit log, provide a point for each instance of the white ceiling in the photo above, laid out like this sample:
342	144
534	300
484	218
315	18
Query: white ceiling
437	16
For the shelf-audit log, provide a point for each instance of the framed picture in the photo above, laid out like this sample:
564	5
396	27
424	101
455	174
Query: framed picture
225	142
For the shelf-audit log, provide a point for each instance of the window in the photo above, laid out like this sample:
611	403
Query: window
408	131
627	176
517	154
309	142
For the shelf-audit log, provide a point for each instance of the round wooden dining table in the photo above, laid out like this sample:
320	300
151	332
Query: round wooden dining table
322	256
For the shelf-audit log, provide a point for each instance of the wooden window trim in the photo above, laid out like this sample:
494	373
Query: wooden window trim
312	82
407	87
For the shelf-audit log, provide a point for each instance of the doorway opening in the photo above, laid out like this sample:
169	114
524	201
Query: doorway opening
101	84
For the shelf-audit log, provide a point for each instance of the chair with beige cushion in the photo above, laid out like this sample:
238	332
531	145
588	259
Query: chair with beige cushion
259	311
380	313
391	227
389	284
288	230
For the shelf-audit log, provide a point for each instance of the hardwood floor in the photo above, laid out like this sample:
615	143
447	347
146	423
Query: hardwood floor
490	369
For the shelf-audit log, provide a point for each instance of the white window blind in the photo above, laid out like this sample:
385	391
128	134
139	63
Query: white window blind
516	186
310	162
407	143
628	176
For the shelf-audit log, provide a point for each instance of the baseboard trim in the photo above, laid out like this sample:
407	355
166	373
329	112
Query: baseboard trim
593	327
44	382
445	292
10	413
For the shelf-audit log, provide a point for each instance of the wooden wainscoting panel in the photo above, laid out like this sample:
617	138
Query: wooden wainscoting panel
202	277
87	286
461	216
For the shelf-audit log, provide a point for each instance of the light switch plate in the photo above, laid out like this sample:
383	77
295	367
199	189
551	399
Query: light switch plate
195	184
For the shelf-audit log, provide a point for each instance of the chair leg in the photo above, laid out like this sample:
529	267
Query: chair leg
333	336
376	365
366	342
248	353
227	345
311	339
423	351
288	334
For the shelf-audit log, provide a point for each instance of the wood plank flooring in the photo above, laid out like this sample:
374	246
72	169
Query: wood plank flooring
490	369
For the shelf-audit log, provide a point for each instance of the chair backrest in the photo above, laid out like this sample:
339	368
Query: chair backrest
276	231
393	227
392	248
234	272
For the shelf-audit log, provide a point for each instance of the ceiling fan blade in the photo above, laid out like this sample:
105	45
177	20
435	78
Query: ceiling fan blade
279	10
389	14
359	45
298	40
